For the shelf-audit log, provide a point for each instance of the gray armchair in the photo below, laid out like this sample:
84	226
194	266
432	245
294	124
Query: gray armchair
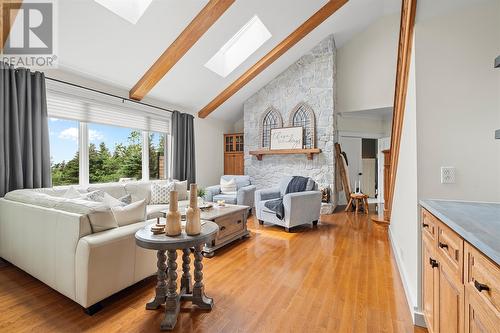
244	195
300	207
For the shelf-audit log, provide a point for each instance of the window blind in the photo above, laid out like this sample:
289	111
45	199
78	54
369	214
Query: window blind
74	103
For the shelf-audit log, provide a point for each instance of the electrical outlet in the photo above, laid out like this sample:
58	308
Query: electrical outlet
447	175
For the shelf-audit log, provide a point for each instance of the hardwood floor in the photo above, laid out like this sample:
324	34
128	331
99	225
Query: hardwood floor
338	277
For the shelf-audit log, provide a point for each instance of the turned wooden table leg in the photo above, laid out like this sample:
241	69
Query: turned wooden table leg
186	283
199	297
172	304
161	286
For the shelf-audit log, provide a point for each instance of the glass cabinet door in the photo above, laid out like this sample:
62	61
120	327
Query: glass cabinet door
227	144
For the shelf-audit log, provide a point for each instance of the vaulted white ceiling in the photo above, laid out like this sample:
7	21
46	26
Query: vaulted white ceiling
103	46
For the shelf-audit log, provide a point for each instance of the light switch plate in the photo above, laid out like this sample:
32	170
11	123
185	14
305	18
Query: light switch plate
447	175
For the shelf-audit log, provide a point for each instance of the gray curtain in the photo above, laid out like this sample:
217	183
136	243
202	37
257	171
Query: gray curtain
24	132
184	167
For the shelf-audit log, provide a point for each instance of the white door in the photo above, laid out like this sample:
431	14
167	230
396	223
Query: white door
383	144
352	147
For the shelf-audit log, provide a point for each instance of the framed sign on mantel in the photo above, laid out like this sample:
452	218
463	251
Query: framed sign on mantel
287	138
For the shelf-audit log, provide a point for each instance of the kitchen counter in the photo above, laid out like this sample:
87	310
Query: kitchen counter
476	222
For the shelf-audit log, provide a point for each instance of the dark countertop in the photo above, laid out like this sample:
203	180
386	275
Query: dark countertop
477	222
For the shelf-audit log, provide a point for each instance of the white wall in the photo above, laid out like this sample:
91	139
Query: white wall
452	110
404	231
459	102
208	132
239	126
381	127
366	67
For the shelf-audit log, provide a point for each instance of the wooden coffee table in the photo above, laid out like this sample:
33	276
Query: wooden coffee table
232	222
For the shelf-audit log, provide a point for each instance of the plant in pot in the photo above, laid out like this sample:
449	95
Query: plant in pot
201	195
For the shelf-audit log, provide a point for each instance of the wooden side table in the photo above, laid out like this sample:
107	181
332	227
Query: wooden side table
166	292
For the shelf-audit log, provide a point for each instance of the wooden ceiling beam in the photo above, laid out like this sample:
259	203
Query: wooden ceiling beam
188	37
303	30
8	13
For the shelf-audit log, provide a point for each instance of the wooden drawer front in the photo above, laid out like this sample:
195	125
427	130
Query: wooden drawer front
450	250
429	224
478	316
229	225
483	277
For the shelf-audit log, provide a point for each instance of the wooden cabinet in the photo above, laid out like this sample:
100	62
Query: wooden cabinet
233	154
430	283
478	317
451	302
482	292
460	285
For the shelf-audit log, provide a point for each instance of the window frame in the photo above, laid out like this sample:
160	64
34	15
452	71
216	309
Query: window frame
83	150
266	136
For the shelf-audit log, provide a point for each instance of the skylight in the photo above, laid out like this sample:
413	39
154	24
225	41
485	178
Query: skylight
241	46
130	10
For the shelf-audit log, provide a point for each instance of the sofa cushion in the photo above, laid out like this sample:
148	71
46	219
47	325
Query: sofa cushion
311	184
34	198
100	215
139	190
57	191
228	198
284	184
116	190
72	193
133	213
262	206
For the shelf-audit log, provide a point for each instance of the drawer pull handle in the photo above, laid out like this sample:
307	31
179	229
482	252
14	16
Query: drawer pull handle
425	225
480	286
443	245
239	221
433	263
222	228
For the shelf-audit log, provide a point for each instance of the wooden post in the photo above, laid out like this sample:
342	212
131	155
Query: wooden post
343	175
387	182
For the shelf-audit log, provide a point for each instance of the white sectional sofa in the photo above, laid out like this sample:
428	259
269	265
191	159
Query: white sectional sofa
51	238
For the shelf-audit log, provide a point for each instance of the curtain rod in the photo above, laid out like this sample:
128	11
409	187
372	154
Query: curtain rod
108	94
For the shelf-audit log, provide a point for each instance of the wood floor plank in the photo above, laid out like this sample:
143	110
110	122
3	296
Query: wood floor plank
338	277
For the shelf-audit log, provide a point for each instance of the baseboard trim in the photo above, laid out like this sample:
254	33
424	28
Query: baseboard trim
418	319
417	316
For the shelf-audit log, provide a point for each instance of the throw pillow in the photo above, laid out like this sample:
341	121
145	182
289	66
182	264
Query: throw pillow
228	187
133	213
126	199
111	201
102	220
160	193
97	195
72	193
181	188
